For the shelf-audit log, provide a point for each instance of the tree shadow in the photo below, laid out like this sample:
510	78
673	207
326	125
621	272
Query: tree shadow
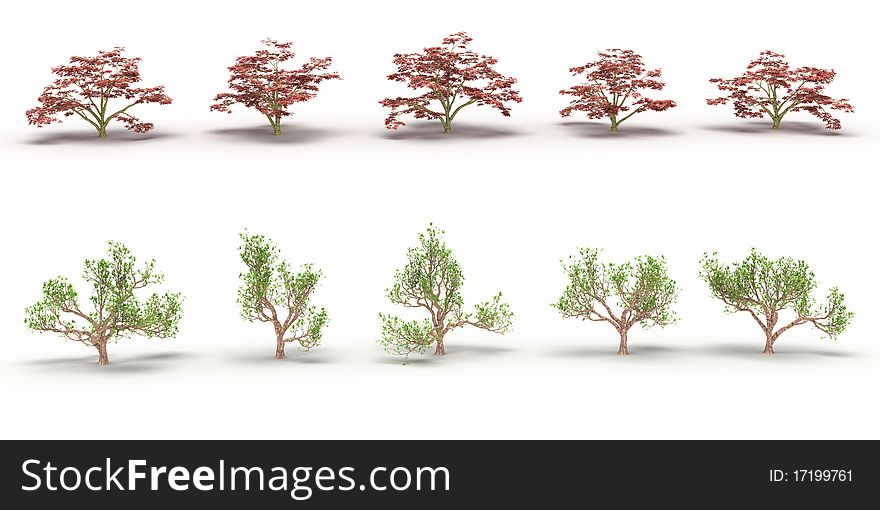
290	134
453	349
791	127
143	363
267	357
610	351
432	131
454	353
753	351
418	360
86	137
593	129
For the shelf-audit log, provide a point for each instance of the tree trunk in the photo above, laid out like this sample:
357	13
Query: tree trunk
102	353
276	126
768	345
441	348
102	132
613	123
623	351
776	122
447	126
279	348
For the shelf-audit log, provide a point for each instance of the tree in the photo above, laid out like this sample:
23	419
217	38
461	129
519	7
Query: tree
116	310
641	291
271	292
765	288
258	81
87	87
432	280
613	86
454	77
770	87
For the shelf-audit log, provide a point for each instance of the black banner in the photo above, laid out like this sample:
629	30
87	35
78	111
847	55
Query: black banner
419	474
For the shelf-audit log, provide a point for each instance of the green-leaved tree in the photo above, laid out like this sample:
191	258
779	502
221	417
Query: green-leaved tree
765	288
432	280
623	295
116	311
272	292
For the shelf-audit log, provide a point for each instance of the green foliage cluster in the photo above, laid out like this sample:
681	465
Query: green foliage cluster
432	280
637	292
272	292
764	287
116	311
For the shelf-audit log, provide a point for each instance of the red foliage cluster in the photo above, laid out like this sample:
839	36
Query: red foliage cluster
86	87
771	87
449	77
450	73
258	81
613	86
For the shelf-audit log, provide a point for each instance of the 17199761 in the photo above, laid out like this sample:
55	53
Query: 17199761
811	475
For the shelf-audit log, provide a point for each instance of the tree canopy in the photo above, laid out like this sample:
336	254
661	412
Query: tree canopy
763	288
623	295
116	311
432	280
98	90
771	87
271	291
614	88
453	78
261	82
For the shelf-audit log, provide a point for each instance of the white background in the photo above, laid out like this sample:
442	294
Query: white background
515	196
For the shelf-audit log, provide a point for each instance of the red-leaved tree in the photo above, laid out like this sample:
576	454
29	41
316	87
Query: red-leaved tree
454	76
258	81
771	87
87	87
613	88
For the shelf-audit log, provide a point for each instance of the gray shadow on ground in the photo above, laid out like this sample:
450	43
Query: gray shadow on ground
292	134
86	137
753	351
267	357
487	350
610	350
590	129
431	131
118	363
454	352
418	360
761	127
